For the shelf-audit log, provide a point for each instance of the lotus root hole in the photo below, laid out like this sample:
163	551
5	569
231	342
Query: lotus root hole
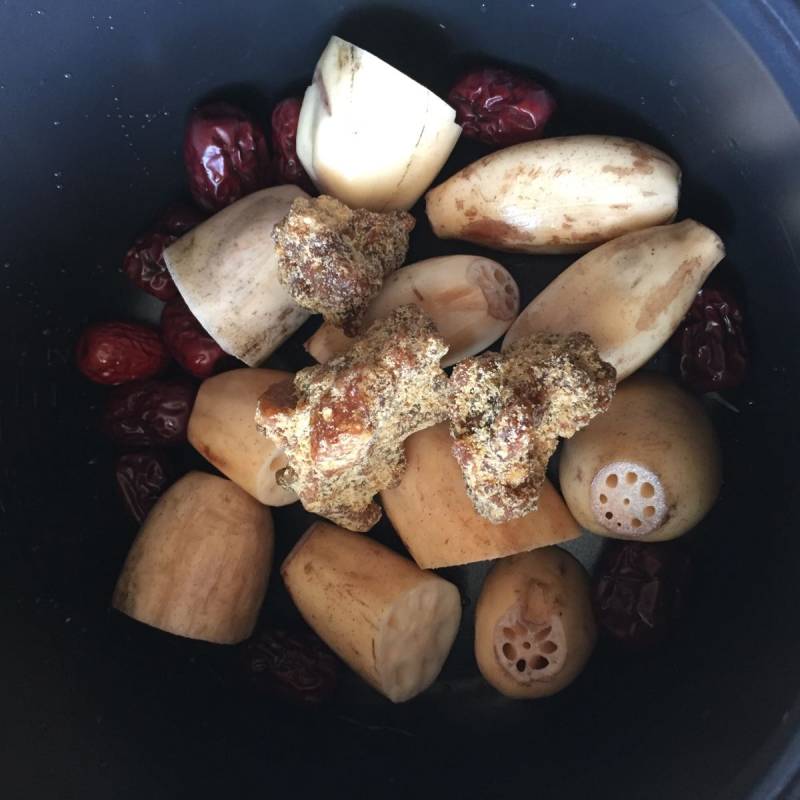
527	652
628	499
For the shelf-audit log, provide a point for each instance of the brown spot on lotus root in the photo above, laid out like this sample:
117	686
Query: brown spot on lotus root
663	297
488	231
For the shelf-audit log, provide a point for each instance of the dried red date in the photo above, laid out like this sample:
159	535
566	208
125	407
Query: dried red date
711	342
149	413
142	479
286	165
188	342
144	262
296	666
226	156
500	108
144	265
180	218
639	590
119	352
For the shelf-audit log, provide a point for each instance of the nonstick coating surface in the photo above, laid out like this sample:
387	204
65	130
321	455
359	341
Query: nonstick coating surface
93	705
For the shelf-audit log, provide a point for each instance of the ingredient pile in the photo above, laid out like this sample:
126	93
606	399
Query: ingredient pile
406	412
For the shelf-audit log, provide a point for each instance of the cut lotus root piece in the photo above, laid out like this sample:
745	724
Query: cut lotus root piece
332	259
628	499
648	469
471	300
534	626
392	622
529	651
415	638
342	424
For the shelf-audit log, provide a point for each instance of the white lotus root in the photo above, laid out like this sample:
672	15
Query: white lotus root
628	499
529	651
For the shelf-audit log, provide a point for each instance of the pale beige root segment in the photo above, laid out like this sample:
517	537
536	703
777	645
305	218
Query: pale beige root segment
200	564
222	428
227	272
472	301
629	295
534	627
433	515
391	622
561	195
655	448
370	135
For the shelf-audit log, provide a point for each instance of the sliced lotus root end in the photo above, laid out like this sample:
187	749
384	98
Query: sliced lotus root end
529	651
415	638
498	286
628	499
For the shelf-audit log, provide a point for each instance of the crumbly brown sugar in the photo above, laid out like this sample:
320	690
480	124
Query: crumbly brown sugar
332	259
508	411
342	424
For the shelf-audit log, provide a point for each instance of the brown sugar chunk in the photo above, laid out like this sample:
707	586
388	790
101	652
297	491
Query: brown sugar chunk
508	411
332	259
342	424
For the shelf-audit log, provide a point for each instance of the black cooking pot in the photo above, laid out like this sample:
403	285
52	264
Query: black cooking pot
93	705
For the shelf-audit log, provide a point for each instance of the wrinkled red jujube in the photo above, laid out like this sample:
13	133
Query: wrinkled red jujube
188	341
144	262
500	108
286	165
142	478
297	666
180	218
713	350
640	588
149	413
225	154
119	352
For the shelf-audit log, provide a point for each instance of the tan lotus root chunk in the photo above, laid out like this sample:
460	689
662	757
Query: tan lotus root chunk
342	424
508	412
333	259
534	627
